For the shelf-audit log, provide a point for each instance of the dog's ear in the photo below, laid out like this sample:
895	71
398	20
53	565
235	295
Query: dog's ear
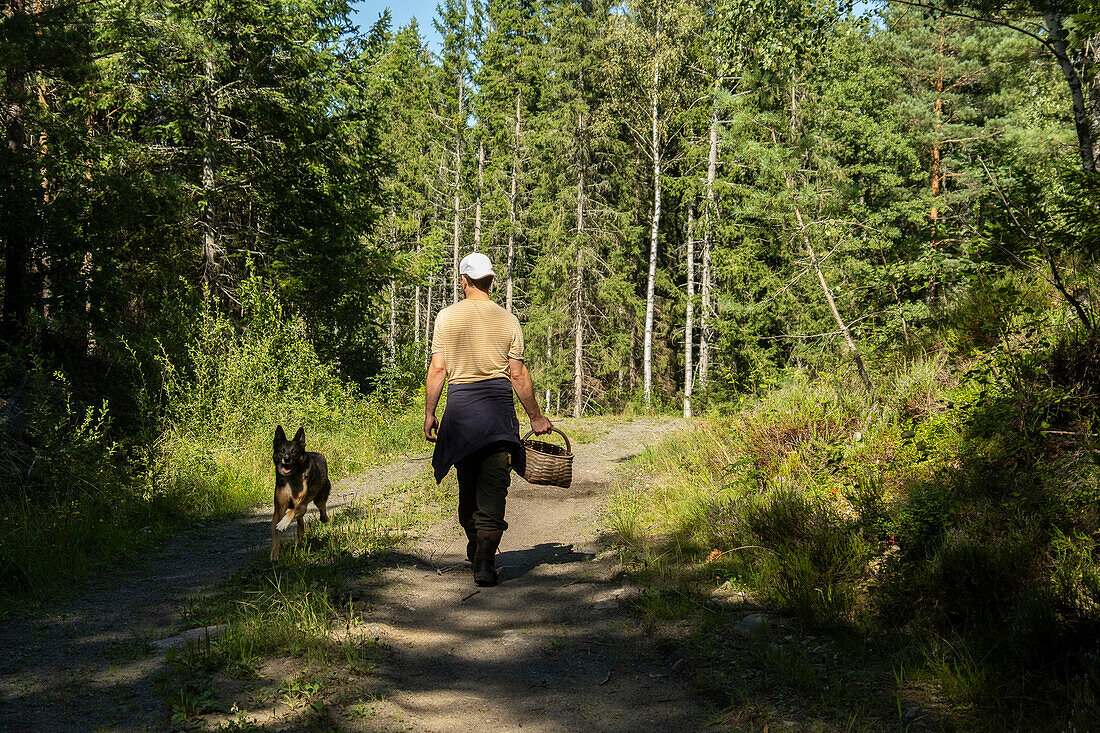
280	436
300	436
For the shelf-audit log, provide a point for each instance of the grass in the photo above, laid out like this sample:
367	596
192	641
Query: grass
48	544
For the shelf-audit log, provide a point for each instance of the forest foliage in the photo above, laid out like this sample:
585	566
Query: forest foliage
842	180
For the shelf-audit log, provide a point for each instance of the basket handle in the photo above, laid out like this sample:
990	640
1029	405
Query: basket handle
568	448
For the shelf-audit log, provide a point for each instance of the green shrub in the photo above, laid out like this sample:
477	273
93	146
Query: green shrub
239	382
258	371
72	488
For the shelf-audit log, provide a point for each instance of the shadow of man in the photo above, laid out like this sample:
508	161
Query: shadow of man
517	563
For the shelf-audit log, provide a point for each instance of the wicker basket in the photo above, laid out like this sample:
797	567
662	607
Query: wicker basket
548	463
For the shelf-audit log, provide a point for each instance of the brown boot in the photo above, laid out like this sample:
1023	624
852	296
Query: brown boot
471	544
485	572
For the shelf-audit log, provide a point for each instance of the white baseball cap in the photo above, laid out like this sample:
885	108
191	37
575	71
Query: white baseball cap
475	266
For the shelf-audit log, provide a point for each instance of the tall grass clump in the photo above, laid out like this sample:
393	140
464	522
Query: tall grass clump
794	551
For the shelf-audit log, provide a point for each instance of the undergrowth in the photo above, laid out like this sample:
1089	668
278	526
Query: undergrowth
92	481
947	534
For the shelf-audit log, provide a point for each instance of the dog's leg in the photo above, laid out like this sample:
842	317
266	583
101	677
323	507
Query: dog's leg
281	501
295	514
291	514
322	509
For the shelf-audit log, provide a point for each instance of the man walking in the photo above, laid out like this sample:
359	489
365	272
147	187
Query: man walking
477	349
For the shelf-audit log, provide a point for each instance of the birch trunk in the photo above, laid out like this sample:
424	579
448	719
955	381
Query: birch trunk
16	234
43	150
391	336
428	320
458	182
651	281
1086	145
578	295
689	316
633	363
549	343
211	250
416	316
88	266
416	297
1092	56
513	222
708	235
477	204
829	294
817	265
937	168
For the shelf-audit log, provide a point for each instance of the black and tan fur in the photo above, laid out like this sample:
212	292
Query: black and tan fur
301	476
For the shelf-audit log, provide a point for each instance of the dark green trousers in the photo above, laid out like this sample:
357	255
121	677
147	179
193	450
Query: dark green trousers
483	479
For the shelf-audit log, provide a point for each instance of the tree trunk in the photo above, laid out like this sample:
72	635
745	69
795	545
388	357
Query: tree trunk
477	204
458	183
708	239
416	316
17	230
578	294
88	266
689	316
1086	146
86	270
44	263
513	221
817	265
211	251
416	296
1092	61
633	363
651	281
428	320
829	294
937	171
549	344
391	336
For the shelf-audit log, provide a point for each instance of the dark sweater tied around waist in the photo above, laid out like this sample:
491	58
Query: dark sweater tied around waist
477	415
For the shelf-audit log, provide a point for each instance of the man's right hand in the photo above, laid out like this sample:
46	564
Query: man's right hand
431	425
541	425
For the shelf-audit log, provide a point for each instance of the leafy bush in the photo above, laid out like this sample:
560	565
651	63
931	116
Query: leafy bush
263	369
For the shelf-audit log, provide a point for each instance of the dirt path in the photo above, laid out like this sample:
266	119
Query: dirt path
545	650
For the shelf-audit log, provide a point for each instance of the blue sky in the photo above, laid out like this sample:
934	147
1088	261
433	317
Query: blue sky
366	12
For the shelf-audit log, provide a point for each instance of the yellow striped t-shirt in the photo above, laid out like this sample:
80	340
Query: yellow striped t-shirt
476	338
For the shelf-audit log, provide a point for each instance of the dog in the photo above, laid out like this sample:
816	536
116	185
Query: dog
301	476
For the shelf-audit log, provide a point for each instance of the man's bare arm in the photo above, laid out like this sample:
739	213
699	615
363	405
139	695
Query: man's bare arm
433	388
525	390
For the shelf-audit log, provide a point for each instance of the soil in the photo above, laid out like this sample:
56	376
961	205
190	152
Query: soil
550	648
